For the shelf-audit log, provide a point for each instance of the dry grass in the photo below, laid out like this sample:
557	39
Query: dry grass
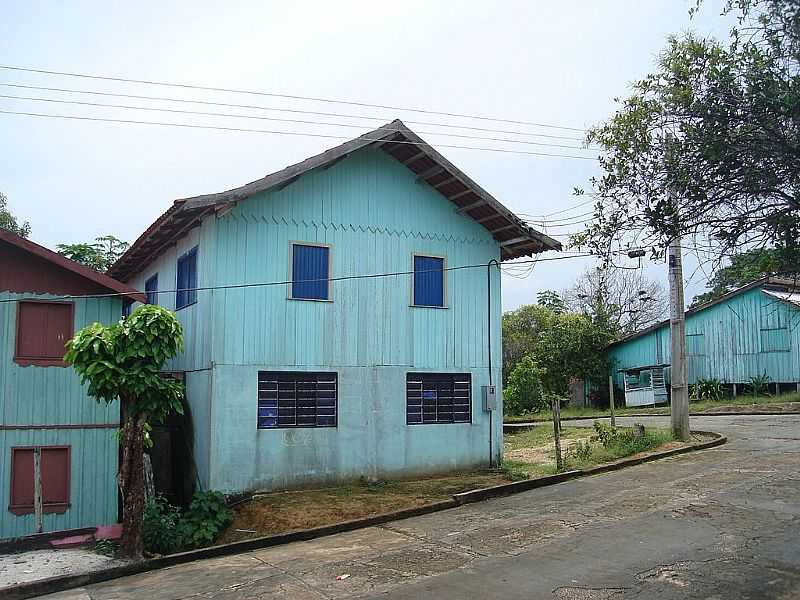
282	512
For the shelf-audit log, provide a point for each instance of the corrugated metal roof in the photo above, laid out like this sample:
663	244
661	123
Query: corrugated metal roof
792	297
785	285
515	237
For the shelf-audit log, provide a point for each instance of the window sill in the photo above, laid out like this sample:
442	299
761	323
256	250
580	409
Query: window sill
39	362
427	306
285	427
447	423
46	509
330	300
185	306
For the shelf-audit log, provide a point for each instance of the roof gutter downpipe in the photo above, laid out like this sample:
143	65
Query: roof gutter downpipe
489	342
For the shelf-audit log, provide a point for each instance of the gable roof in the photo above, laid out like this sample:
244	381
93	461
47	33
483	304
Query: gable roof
104	281
785	289
515	237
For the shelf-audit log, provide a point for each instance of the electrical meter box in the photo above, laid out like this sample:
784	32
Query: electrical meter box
489	397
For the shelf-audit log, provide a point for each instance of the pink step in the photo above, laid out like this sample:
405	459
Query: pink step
109	532
75	540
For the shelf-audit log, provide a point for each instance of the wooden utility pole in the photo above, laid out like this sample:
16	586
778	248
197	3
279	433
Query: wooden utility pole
556	404
679	405
611	399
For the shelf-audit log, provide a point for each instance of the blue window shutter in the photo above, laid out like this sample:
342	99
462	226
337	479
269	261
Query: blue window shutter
310	272
428	281
187	279
151	289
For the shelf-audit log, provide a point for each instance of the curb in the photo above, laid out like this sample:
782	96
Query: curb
770	413
50	585
530	484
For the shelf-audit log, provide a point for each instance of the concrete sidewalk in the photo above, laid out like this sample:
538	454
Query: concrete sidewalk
724	523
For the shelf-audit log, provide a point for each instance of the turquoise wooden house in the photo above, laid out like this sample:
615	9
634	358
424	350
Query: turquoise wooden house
342	315
53	437
750	332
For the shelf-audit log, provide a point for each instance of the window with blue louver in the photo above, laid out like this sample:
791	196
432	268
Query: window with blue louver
438	398
151	290
296	399
186	293
310	272
428	281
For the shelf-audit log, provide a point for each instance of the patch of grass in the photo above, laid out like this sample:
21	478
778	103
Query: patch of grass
742	401
532	452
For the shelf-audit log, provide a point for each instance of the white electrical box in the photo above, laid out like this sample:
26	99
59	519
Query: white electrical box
489	397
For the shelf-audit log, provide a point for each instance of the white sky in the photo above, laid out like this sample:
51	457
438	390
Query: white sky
549	62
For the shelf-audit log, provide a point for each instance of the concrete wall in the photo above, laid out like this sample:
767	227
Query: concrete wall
371	439
36	396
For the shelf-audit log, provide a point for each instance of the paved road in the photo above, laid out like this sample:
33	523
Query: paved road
723	523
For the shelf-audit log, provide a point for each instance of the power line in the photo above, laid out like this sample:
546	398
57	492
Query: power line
317	135
287	96
288	110
301	121
561	220
558	212
236	286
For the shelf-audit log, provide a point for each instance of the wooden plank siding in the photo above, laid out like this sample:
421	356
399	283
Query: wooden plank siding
375	216
731	349
48	406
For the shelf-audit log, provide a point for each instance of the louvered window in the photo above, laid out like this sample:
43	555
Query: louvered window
296	399
438	398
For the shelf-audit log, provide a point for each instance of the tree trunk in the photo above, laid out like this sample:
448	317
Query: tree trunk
131	483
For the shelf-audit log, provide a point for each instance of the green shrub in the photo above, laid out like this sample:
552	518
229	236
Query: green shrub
160	529
707	389
759	385
167	529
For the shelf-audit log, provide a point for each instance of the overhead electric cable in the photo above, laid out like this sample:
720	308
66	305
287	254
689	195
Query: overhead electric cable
287	110
300	121
287	96
236	286
294	133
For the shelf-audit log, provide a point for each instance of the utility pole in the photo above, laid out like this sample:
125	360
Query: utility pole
556	406
611	399
679	404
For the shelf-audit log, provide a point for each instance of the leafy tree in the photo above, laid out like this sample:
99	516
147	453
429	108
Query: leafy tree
521	330
552	300
572	347
745	268
708	145
9	221
524	393
122	362
99	255
621	300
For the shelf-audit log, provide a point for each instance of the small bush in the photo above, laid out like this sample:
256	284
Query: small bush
706	389
583	450
759	385
160	529
167	529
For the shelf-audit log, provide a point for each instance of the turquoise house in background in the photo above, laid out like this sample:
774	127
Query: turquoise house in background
44	409
342	316
750	332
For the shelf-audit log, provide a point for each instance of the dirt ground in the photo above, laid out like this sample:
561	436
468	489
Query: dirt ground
281	512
